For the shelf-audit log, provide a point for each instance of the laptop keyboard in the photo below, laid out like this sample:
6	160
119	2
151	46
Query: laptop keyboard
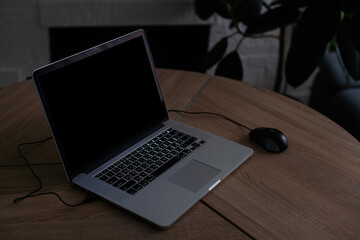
143	165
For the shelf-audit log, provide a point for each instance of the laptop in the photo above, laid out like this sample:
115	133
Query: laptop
112	130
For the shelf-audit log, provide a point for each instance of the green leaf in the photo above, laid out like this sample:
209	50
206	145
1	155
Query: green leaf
230	66
313	32
221	8
349	55
354	30
204	9
274	18
349	7
216	53
247	11
295	3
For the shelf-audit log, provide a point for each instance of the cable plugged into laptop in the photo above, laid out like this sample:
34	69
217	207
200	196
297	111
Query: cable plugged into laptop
89	197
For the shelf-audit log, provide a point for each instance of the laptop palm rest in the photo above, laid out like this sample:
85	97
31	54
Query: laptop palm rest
194	175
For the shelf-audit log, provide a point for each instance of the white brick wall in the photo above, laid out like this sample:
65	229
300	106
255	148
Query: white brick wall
23	43
24	38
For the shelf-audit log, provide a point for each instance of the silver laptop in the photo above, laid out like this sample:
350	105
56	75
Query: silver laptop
111	127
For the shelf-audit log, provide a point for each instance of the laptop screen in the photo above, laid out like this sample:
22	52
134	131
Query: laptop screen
99	105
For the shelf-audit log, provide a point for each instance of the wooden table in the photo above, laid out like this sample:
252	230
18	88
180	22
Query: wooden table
310	191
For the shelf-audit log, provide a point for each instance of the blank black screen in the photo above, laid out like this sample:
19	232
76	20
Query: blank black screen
97	105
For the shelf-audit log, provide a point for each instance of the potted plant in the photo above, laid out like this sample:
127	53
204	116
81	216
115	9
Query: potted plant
319	25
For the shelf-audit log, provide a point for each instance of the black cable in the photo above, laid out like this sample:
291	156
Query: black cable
30	168
34	193
215	114
87	199
91	196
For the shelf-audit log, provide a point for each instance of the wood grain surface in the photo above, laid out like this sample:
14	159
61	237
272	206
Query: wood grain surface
45	217
310	191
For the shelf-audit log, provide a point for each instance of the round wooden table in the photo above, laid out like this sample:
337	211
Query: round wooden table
310	191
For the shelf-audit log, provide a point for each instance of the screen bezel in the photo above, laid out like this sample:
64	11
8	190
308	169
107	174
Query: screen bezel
38	73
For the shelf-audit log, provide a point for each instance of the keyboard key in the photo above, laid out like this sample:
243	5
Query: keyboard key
119	175
119	183
150	162
143	183
127	162
104	177
166	166
143	174
155	158
173	132
137	178
131	167
137	187
131	191
143	165
185	137
186	151
136	164
110	174
127	185
133	159
112	180
128	177
125	171
133	173
154	166
122	166
149	178
191	140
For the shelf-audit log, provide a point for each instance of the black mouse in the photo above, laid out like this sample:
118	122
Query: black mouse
271	139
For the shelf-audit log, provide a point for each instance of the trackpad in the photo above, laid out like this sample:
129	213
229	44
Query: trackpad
194	175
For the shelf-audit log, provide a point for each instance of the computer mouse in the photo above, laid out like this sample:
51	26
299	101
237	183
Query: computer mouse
271	139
